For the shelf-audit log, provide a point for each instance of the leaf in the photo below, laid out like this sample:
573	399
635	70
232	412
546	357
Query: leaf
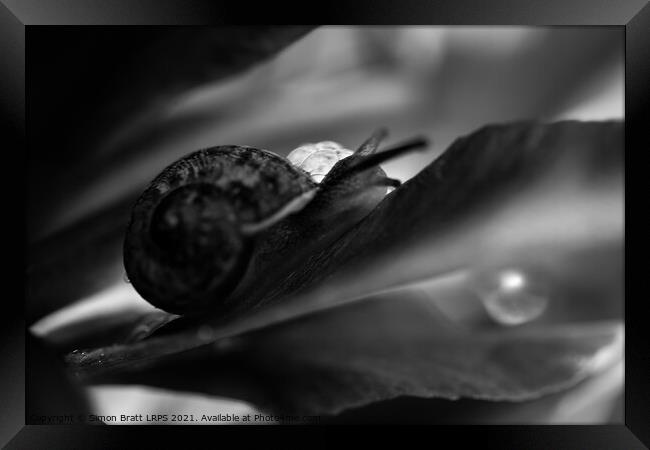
112	316
522	194
379	349
401	346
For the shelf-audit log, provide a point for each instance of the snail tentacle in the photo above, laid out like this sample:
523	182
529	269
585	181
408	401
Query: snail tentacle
294	206
372	143
374	159
391	182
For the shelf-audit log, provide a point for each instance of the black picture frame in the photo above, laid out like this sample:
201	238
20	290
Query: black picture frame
16	18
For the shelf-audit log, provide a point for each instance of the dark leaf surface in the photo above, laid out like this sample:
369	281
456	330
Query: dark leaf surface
523	194
379	349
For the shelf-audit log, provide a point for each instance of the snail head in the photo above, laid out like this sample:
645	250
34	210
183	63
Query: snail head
356	184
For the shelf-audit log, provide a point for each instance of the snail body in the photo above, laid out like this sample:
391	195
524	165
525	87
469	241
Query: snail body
196	227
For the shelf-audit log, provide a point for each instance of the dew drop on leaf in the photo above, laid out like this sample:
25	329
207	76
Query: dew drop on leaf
510	296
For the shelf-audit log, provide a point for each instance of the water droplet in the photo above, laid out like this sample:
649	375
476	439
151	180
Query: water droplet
125	277
510	296
77	356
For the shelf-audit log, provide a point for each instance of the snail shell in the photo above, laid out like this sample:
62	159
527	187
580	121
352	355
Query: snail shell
193	230
184	246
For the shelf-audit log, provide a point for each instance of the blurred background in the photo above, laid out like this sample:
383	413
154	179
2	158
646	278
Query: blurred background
110	107
336	83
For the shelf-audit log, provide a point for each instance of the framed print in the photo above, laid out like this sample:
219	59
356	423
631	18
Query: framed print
411	216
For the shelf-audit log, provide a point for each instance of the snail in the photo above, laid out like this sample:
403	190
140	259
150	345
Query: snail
195	229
